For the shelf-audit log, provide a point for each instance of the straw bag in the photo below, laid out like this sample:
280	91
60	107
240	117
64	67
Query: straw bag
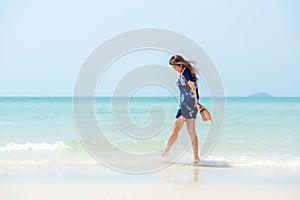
205	114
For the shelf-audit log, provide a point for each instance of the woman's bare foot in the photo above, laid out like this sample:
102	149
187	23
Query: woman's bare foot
165	151
197	161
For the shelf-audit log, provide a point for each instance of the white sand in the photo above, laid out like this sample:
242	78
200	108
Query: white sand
174	182
22	189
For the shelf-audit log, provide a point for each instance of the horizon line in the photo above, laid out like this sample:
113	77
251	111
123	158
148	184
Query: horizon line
45	96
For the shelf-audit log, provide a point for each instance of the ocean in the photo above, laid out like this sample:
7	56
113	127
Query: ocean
39	133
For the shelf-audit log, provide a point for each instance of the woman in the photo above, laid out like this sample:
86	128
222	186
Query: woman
188	109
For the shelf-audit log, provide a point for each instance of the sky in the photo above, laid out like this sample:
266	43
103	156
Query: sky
254	44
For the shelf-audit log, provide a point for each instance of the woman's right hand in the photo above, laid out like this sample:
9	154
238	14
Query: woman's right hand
199	106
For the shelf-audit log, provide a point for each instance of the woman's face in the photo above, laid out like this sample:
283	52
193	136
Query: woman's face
177	68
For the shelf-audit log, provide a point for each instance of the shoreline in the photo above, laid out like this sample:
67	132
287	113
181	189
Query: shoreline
173	173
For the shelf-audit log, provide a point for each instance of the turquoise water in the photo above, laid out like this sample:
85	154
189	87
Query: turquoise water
40	132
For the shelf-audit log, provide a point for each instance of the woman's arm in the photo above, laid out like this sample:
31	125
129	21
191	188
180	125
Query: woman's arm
193	88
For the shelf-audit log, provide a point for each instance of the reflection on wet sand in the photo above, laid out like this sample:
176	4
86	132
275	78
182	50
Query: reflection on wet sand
184	173
190	172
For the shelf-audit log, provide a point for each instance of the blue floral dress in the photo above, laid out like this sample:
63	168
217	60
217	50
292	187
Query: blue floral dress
187	107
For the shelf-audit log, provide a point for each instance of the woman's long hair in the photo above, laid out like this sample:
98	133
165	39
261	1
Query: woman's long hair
179	60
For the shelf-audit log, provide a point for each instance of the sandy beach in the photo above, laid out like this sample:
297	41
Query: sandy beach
91	189
174	182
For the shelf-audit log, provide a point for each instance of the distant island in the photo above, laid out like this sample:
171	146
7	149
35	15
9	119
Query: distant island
261	94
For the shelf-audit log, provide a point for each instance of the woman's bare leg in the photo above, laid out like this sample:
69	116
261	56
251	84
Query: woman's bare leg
174	134
191	128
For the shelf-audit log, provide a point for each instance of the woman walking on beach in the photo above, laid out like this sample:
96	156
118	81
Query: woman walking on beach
188	109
